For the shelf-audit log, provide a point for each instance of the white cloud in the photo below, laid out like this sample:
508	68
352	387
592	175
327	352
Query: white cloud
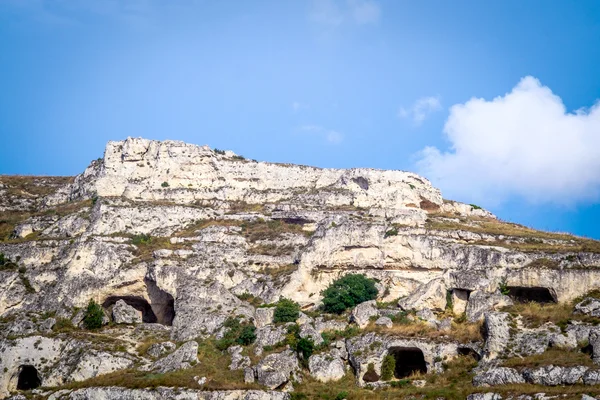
330	135
421	109
333	13
364	11
524	143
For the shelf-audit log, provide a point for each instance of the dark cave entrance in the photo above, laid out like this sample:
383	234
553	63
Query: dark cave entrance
525	294
136	302
28	378
409	360
468	352
160	309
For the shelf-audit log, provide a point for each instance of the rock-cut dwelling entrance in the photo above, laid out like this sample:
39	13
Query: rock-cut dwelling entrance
409	360
160	309
534	293
28	378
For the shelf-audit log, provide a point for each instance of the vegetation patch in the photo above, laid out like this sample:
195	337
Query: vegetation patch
286	311
552	356
347	292
92	319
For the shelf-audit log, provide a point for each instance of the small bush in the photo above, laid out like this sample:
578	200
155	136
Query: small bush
63	325
92	318
347	292
305	348
247	335
221	152
165	184
141	239
388	367
286	311
503	287
341	395
475	207
391	232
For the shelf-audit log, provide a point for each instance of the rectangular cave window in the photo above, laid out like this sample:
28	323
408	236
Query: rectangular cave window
409	360
537	294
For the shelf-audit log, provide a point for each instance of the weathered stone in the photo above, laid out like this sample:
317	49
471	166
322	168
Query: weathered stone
308	331
182	358
362	313
159	349
498	376
275	369
431	295
326	367
384	321
460	299
481	302
123	313
497	326
588	306
263	316
554	375
238	361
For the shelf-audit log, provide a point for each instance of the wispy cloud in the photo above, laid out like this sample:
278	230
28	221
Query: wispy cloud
333	13
330	135
298	106
421	109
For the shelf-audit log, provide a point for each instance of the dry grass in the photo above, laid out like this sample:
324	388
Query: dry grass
532	239
463	332
33	186
272	250
279	272
213	364
269	230
559	357
536	314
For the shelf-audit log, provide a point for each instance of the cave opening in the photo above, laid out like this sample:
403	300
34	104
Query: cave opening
139	303
159	309
468	352
409	360
28	378
162	303
526	294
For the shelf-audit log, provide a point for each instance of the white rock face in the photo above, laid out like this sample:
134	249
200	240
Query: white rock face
123	313
362	313
326	367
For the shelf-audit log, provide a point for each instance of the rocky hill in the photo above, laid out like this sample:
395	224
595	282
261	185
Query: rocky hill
187	252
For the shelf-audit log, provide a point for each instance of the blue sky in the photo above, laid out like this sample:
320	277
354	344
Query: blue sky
495	102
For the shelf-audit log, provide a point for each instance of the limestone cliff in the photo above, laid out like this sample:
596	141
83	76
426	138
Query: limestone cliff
189	236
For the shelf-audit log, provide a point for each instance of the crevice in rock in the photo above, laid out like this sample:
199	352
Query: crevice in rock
537	294
468	352
409	360
28	378
161	302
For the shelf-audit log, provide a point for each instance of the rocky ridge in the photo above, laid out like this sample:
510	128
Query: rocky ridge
174	239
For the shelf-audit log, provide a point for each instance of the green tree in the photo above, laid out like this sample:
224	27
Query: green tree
247	335
92	319
286	311
388	367
347	292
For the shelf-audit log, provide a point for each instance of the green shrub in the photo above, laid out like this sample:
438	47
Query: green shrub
391	232
503	287
388	367
92	319
347	292
165	184
341	395
286	311
63	325
141	239
475	207
247	335
221	152
305	348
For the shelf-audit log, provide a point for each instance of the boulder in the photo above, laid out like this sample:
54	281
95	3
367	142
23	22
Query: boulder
269	335
485	396
275	369
498	376
263	316
182	358
308	331
460	299
591	377
588	306
93	363
326	367
159	349
123	313
428	316
551	375
238	361
430	295
480	302
497	326
384	321
362	313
